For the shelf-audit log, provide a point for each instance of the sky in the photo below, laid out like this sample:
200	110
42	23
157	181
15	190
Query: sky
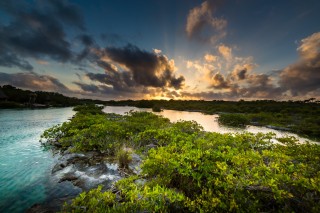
163	49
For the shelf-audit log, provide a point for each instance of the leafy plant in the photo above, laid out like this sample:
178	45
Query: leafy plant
234	120
124	158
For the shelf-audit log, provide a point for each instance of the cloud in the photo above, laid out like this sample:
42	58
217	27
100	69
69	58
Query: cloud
131	71
8	59
37	31
157	51
309	48
67	12
207	95
226	76
146	68
303	77
119	81
201	17
107	92
225	51
218	81
242	70
210	58
33	81
42	62
86	40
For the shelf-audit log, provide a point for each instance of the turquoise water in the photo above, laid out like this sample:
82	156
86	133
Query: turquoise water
25	167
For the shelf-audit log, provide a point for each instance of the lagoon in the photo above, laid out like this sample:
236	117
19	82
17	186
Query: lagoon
25	167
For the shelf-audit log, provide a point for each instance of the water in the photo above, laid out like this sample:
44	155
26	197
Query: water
25	168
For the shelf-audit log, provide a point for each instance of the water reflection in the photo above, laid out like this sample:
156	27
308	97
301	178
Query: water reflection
209	122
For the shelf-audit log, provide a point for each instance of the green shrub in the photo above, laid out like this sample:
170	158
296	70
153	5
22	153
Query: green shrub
132	197
124	158
234	120
91	129
92	201
89	109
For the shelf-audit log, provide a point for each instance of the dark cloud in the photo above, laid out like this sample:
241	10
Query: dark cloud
107	92
242	74
218	81
106	66
303	77
37	31
240	84
201	18
260	86
8	59
147	68
86	40
131	71
177	82
33	81
88	87
67	12
79	76
209	95
118	81
82	69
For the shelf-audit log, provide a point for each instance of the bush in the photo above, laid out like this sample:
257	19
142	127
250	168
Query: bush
156	108
92	201
124	158
89	109
91	129
233	120
132	197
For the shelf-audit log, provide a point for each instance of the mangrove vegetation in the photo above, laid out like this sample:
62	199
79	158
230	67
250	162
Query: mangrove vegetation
186	169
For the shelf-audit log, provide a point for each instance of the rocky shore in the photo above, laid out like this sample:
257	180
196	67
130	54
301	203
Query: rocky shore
85	171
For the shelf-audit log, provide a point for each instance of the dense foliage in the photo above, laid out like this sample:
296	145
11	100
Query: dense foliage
189	170
91	129
18	98
234	120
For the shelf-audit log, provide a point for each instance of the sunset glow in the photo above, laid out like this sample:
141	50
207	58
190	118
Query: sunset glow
109	50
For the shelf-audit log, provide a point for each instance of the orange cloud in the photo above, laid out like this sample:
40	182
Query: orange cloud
225	51
210	58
